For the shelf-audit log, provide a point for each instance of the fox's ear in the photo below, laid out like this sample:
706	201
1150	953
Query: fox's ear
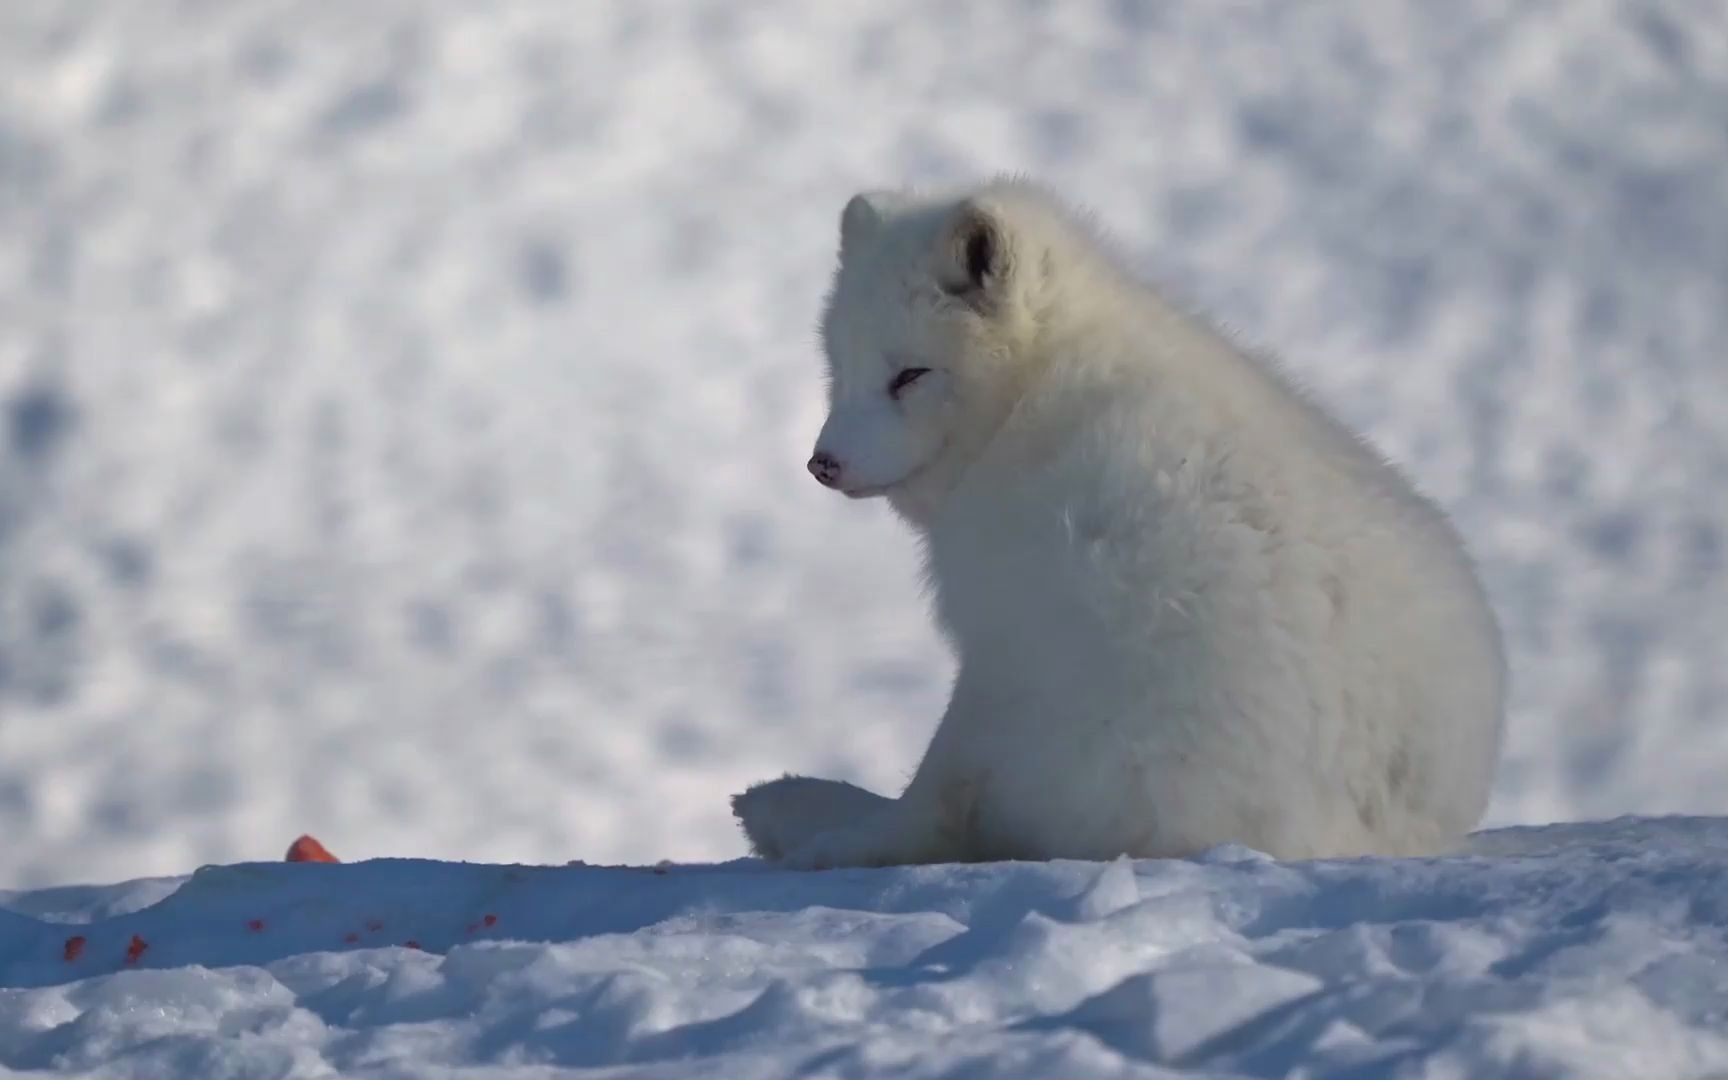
975	258
861	218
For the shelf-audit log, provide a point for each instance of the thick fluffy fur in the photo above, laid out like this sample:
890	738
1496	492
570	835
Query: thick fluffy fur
1189	608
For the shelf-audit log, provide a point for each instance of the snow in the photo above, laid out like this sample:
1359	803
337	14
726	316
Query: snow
1573	951
402	417
406	403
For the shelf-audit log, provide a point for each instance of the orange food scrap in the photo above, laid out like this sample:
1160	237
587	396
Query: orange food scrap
74	948
308	849
135	949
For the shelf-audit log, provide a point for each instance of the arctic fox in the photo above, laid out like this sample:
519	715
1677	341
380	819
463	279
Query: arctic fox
1189	608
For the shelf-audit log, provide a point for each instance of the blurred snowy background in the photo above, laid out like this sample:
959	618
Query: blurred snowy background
403	406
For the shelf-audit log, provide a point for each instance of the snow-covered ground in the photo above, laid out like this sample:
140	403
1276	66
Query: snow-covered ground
1571	952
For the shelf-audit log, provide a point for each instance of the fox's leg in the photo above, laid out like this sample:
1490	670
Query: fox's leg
936	819
781	815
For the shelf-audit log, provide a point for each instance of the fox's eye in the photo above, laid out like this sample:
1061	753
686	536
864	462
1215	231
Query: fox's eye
903	378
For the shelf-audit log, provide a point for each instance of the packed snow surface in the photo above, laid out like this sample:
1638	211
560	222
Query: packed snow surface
1582	951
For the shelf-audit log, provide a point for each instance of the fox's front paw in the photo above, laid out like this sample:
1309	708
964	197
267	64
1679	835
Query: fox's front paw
838	848
762	811
780	816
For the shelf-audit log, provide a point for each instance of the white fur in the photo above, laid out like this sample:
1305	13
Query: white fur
1189	608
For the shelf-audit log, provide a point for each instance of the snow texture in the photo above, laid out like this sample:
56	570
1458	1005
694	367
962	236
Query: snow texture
403	405
1583	951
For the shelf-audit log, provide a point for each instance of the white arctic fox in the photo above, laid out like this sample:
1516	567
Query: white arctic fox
1189	608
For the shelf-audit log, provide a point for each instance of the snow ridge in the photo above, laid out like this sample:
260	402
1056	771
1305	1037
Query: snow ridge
1584	951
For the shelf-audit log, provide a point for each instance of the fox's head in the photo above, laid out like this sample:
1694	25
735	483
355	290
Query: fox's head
928	333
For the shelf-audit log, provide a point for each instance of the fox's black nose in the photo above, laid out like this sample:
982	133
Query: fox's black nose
825	468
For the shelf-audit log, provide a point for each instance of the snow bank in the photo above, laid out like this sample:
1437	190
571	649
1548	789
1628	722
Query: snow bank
1583	951
403	405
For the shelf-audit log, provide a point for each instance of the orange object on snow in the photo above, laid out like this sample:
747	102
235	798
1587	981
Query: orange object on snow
308	849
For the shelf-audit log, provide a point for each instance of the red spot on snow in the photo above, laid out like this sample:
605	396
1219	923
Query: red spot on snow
486	921
308	849
74	948
374	925
490	919
351	938
412	944
135	949
256	926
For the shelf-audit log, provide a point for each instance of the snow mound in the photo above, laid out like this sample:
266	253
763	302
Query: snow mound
1590	950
